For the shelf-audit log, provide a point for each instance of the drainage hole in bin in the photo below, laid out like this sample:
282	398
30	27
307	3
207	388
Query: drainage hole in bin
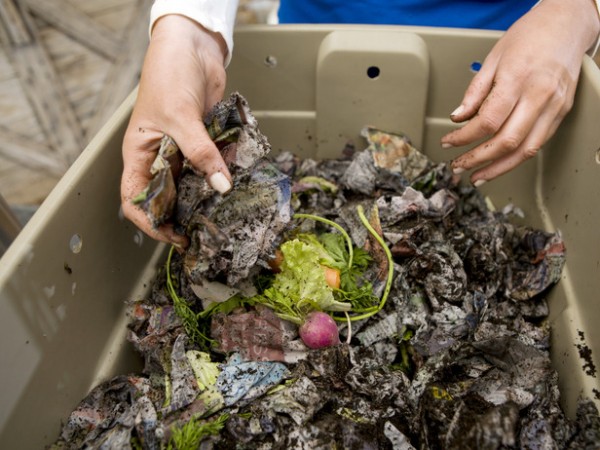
138	238
271	62
598	156
475	66
76	243
373	72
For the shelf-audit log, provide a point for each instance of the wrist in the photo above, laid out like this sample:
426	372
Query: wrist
216	16
589	19
181	32
594	48
586	17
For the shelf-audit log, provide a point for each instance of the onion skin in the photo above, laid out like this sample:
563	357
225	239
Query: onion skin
332	277
319	330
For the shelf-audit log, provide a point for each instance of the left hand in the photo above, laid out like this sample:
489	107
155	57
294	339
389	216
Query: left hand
182	78
524	89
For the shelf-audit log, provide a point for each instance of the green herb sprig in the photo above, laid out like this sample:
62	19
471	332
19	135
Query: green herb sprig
189	318
190	435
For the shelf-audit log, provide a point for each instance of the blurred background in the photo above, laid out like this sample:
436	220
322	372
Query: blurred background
65	66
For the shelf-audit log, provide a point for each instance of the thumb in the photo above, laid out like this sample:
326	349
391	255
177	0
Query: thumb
475	94
197	146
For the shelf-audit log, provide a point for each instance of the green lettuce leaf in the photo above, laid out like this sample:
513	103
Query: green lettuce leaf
205	371
300	287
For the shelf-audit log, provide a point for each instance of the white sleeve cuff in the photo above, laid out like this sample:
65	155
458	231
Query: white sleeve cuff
214	15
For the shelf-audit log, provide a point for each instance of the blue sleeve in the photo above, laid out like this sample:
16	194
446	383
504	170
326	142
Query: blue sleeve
483	14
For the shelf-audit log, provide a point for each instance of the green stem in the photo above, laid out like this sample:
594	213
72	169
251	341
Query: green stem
170	288
334	225
388	284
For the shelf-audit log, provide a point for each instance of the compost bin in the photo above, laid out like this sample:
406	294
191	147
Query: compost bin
65	281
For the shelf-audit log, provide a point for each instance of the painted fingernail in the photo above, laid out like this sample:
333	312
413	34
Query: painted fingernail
219	182
457	111
478	183
447	145
458	170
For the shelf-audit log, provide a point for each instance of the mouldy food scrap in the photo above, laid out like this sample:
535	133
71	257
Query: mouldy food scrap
439	303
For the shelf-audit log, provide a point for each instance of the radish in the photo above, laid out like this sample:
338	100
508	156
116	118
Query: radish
319	330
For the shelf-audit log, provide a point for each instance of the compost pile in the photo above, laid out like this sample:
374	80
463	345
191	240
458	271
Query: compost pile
438	308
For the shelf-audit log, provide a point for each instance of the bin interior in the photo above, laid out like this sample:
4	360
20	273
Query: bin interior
65	281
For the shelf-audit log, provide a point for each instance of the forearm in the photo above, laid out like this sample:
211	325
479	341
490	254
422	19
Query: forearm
217	16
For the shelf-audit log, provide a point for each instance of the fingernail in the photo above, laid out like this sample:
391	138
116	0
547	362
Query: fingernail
457	111
478	183
458	170
447	145
219	182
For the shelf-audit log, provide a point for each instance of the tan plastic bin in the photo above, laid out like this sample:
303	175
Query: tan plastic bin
65	280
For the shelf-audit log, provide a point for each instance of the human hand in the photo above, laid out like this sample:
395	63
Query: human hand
182	78
524	89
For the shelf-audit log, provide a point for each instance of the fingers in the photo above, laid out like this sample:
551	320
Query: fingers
516	118
519	139
140	148
138	155
530	147
510	137
164	233
493	113
200	150
476	93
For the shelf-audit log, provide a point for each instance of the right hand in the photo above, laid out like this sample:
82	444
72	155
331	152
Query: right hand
182	78
524	89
